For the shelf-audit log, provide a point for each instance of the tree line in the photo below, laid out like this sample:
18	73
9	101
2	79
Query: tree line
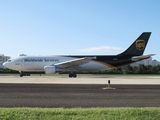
141	69
2	70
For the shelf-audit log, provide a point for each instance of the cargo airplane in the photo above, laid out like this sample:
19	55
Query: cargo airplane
75	63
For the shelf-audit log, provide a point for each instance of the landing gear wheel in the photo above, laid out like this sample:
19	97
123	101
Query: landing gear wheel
72	75
21	75
28	74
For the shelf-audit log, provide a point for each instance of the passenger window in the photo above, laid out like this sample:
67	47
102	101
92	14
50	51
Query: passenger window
9	60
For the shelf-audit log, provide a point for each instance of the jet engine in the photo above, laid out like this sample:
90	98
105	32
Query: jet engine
50	69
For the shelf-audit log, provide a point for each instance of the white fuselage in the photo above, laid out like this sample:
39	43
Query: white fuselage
37	64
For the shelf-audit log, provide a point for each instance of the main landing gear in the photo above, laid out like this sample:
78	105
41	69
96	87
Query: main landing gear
72	75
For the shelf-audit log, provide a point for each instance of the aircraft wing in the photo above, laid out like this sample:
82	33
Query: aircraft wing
136	58
74	62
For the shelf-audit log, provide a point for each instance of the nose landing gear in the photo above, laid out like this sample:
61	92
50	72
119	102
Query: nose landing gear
21	75
24	74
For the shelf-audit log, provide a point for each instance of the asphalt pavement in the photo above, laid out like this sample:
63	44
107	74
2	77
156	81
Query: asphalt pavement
78	95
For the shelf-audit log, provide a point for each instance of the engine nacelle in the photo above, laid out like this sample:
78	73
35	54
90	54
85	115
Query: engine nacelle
50	69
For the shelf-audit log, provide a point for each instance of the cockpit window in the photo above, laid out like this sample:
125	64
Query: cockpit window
9	61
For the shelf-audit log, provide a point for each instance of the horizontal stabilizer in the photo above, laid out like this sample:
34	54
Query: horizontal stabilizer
137	58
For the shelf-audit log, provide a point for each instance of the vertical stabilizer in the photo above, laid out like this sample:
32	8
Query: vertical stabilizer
139	45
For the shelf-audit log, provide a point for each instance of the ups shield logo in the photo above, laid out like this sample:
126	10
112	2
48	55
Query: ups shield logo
140	44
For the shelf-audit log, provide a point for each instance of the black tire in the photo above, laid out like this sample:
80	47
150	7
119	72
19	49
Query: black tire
74	75
21	75
28	74
70	75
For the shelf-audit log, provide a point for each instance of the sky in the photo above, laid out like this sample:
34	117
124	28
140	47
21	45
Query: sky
77	27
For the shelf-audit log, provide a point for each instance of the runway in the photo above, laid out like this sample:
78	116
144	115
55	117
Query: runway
76	95
83	79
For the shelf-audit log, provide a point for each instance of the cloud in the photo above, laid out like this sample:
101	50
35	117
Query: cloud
102	49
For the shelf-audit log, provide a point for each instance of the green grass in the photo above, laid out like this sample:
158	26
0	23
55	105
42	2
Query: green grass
80	114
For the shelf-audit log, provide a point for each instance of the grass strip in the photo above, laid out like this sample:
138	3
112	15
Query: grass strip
79	114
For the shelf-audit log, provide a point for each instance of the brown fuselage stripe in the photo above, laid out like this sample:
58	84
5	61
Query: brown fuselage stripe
106	64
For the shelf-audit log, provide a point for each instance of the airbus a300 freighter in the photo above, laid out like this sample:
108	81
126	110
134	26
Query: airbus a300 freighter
74	63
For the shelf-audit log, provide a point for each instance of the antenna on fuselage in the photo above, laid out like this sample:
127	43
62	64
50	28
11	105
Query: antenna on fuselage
22	54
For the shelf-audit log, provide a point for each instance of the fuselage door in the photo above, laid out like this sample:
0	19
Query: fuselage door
22	63
18	62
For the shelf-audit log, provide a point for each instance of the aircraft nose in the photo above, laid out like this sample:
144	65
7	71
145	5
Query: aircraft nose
4	64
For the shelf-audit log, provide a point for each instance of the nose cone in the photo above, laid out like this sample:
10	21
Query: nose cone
5	64
8	65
